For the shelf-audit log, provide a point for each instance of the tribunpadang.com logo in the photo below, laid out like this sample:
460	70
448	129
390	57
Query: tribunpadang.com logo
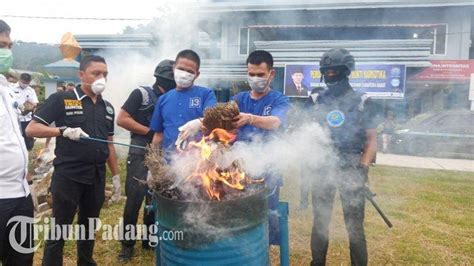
47	229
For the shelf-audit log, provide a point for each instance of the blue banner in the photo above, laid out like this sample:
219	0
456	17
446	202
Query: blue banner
379	81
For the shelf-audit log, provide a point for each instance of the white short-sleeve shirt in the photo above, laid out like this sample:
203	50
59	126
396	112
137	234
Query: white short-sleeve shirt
13	153
21	96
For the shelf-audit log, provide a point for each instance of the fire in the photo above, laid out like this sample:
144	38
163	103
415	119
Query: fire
215	181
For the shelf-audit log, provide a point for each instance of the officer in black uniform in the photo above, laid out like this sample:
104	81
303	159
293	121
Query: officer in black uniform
78	181
135	116
348	116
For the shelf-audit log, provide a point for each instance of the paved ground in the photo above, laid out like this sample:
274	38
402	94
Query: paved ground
425	162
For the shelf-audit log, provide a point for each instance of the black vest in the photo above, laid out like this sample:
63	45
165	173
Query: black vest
343	117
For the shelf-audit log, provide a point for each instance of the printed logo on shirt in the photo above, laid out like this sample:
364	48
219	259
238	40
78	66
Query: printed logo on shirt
195	102
72	104
267	110
335	118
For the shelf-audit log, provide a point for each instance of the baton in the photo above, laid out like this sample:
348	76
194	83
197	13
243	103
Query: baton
112	142
370	196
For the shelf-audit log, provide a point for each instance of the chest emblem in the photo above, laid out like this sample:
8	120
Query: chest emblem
335	118
72	104
267	110
195	102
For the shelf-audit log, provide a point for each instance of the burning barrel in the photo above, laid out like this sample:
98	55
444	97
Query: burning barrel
220	211
228	232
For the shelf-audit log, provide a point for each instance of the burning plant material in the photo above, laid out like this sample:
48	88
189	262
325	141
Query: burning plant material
221	116
211	178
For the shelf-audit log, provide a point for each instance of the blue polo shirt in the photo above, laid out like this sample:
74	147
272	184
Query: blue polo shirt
272	104
177	107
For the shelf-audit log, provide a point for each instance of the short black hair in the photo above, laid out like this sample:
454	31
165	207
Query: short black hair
71	84
4	28
298	70
260	56
191	55
87	60
25	77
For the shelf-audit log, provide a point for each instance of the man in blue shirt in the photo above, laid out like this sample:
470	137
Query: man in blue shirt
262	112
178	112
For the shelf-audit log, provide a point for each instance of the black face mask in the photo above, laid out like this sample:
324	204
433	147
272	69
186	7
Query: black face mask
337	84
166	84
338	88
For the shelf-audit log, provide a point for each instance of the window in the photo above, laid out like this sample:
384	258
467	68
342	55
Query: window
435	32
244	41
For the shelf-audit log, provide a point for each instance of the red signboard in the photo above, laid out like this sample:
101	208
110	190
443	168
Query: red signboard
447	70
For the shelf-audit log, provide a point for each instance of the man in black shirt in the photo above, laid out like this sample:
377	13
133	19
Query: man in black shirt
135	116
78	181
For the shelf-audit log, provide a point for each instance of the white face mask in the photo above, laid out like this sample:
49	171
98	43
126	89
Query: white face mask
257	84
98	86
183	79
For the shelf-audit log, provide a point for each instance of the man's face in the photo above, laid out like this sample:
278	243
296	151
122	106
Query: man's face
331	73
5	41
70	87
261	71
187	65
24	83
297	77
93	72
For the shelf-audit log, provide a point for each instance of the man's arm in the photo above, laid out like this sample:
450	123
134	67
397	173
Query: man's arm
126	121
370	147
112	159
264	122
157	139
39	130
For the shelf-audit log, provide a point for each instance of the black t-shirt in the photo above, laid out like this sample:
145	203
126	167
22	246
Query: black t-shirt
79	160
141	113
132	106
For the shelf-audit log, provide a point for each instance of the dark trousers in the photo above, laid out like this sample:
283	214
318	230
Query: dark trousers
29	142
136	191
350	184
68	197
305	187
10	208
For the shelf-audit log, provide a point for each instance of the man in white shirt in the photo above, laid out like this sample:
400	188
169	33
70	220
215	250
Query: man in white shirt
15	197
26	101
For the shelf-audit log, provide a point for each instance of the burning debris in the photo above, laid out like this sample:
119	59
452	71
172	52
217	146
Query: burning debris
211	177
221	116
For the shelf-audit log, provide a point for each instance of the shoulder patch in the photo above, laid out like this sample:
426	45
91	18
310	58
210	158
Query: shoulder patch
363	98
109	110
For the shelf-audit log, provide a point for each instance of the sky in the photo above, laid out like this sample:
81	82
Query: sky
51	30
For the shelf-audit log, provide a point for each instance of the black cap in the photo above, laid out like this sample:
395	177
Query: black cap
165	69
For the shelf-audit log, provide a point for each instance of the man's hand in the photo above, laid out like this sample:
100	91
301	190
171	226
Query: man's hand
364	172
33	196
117	189
243	119
74	133
188	130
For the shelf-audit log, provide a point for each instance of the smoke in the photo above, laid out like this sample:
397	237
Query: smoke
173	29
306	146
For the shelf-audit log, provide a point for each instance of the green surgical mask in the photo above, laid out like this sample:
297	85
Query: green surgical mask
6	60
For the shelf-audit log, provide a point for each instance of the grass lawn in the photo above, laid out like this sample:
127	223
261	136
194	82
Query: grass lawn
432	212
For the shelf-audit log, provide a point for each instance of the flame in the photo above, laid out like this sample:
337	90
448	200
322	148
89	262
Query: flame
216	182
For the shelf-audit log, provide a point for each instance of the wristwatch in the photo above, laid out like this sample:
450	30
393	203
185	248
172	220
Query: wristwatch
61	130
